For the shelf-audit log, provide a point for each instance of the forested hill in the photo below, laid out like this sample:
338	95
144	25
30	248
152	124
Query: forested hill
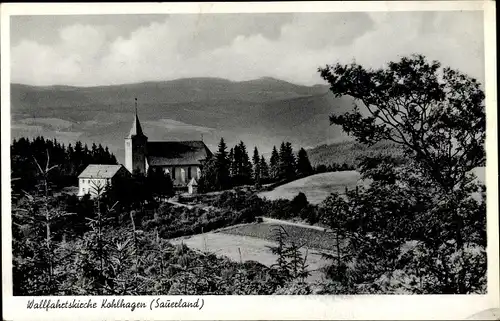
348	152
262	112
168	92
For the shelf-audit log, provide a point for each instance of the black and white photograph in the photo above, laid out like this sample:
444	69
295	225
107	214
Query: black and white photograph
284	153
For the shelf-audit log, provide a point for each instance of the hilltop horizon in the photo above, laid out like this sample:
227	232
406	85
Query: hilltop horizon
321	82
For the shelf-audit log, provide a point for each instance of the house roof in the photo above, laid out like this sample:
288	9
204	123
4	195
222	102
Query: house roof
100	171
174	153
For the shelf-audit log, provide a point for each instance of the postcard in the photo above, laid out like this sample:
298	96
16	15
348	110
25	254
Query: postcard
250	161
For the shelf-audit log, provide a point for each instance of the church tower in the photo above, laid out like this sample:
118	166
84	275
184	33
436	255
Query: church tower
135	147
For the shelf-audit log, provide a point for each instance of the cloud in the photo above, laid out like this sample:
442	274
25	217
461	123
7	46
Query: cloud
247	46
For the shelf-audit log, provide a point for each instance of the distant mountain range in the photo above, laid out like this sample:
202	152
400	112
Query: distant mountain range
261	112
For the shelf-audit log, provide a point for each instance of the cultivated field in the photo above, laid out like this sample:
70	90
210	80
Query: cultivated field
311	238
316	187
251	243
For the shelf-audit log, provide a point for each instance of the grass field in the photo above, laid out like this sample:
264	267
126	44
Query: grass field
316	187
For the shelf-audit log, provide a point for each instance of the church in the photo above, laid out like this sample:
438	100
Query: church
182	160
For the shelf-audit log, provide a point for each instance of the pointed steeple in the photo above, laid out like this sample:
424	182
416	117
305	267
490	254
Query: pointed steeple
136	129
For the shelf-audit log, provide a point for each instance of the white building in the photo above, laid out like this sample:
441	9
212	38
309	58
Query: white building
97	177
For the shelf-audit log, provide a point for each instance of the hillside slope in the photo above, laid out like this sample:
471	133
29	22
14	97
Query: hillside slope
349	152
316	187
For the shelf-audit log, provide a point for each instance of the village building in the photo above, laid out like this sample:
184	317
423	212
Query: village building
98	177
182	160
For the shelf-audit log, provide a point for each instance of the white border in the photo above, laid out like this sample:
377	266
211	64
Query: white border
269	307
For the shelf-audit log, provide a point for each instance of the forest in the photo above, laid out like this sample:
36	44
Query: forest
27	155
229	169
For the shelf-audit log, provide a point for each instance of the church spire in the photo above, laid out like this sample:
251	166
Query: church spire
136	129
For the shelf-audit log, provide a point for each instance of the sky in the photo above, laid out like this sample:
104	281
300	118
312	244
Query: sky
87	50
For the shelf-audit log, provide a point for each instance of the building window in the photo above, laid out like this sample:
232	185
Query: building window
173	172
189	173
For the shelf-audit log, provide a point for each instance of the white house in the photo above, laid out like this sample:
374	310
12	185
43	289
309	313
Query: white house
97	177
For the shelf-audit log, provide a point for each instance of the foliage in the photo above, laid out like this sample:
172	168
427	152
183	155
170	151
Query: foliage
128	259
346	155
160	183
418	228
290	264
435	114
298	208
134	192
33	218
208	177
333	167
172	221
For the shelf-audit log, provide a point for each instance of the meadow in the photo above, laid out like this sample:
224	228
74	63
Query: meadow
316	187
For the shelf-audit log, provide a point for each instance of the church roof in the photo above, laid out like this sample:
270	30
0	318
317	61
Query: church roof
177	153
100	171
136	129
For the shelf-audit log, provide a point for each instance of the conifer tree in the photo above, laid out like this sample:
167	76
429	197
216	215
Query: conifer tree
282	161
264	169
230	158
94	153
291	162
274	164
236	162
222	167
246	166
286	167
257	175
241	166
304	167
